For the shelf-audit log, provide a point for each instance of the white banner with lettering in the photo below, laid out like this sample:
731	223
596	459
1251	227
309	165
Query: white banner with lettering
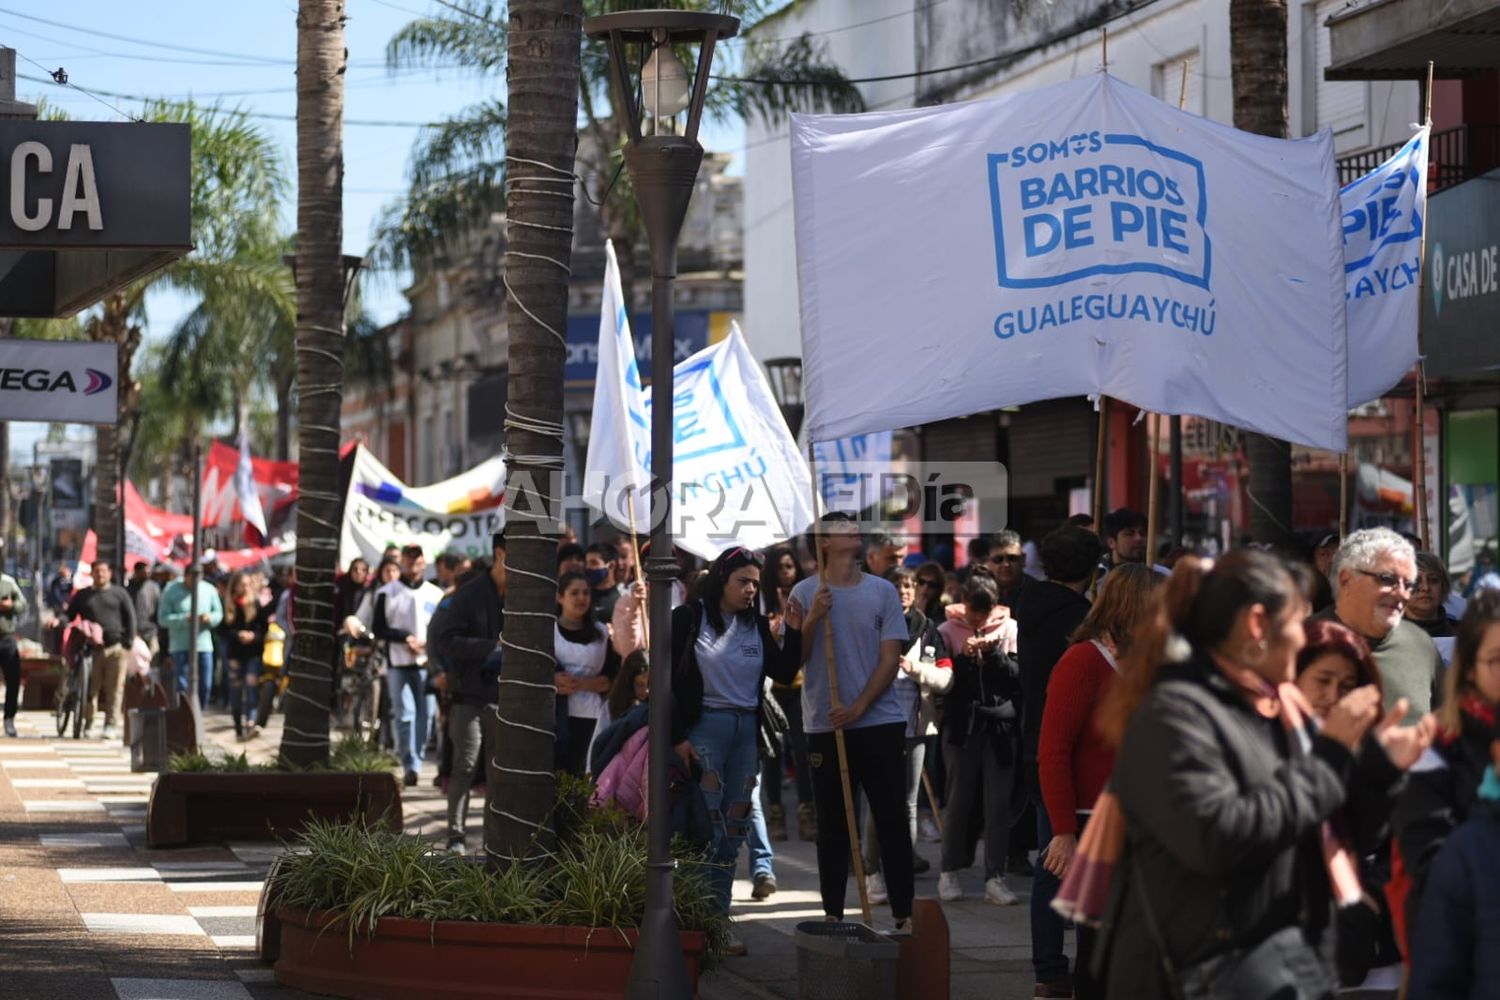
1384	215
67	381
1079	239
738	477
455	515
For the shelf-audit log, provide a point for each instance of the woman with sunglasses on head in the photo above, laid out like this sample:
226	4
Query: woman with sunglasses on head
1231	864
723	649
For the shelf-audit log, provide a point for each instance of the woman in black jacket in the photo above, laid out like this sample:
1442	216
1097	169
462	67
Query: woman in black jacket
244	633
1223	888
722	651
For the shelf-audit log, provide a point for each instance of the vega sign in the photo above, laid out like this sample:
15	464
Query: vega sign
54	380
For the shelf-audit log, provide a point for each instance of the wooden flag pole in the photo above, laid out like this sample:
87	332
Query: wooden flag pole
1153	443
834	702
1343	495
635	548
1419	446
1099	465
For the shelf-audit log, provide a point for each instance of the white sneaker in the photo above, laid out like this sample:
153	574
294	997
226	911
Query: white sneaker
875	888
928	831
949	891
995	891
108	732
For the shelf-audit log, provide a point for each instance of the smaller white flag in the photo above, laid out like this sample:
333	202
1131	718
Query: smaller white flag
1385	212
619	441
244	487
850	469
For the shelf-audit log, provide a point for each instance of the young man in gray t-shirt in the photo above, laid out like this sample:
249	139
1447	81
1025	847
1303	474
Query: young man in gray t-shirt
869	635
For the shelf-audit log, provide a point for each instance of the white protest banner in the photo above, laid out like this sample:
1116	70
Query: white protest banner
1080	239
738	477
849	470
68	381
455	515
619	436
1384	215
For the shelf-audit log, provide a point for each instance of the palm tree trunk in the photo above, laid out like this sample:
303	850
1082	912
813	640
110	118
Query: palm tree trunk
284	421
320	370
1257	46
112	326
546	37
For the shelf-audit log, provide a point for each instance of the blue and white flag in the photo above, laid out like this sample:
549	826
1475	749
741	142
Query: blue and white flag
620	435
1384	215
738	477
1080	239
850	470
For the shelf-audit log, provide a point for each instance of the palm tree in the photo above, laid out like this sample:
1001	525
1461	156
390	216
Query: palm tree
237	184
458	175
321	60
1257	59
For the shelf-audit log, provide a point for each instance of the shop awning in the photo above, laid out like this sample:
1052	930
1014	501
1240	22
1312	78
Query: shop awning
1395	39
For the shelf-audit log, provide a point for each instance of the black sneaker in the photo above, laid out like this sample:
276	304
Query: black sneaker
10	728
920	865
765	885
410	780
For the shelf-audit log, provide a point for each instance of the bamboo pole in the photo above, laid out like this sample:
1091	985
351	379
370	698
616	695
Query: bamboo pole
834	702
635	548
1419	446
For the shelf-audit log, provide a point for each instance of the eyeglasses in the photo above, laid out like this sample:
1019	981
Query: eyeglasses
998	560
1390	581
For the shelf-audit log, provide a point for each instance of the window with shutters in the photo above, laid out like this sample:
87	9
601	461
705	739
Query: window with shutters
1167	83
1342	105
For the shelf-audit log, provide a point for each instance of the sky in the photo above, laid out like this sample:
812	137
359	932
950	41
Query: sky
244	57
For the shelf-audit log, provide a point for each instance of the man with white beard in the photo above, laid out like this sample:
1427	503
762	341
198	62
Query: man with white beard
1374	574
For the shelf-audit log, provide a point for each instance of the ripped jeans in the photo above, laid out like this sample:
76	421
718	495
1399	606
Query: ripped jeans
725	740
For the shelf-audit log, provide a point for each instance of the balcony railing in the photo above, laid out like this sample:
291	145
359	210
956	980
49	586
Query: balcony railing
1455	155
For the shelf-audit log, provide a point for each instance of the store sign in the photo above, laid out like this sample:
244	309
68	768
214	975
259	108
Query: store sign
54	380
96	185
693	331
1463	278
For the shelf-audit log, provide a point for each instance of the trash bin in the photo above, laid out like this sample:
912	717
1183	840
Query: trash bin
845	962
148	739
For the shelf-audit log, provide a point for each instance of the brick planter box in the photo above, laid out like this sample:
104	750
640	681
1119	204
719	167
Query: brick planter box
448	960
195	808
40	679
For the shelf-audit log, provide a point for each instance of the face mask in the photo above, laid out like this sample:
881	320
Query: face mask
1489	788
596	576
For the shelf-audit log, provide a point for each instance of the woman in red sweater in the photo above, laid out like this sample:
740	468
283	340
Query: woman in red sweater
1073	760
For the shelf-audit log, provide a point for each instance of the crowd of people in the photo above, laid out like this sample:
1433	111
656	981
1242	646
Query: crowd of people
1287	765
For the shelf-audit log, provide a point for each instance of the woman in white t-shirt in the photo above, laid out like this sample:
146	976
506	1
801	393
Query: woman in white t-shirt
586	666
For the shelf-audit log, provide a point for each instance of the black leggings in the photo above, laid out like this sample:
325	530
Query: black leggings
10	662
877	766
573	748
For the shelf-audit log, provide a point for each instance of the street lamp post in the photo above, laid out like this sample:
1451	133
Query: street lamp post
785	375
663	169
39	487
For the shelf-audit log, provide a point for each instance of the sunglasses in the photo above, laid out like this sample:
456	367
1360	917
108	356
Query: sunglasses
998	560
930	584
1390	581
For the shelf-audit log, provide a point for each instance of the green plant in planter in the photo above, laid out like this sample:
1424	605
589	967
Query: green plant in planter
351	754
596	878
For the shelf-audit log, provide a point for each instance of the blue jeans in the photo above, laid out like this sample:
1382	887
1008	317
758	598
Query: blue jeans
407	695
725	740
205	673
1047	928
761	856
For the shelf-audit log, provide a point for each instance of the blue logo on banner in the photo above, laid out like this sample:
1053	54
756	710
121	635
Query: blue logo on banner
702	423
1098	203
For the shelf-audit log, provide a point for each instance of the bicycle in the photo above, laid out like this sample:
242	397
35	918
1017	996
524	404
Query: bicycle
70	704
356	696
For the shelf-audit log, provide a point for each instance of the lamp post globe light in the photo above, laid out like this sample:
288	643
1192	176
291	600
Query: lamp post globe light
663	169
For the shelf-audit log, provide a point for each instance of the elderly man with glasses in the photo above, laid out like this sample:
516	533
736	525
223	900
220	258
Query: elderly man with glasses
1374	576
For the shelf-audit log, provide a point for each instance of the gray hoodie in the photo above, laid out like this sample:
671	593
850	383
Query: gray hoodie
9	588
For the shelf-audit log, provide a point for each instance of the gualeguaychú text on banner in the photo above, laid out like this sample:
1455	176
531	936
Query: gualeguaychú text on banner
1080	239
